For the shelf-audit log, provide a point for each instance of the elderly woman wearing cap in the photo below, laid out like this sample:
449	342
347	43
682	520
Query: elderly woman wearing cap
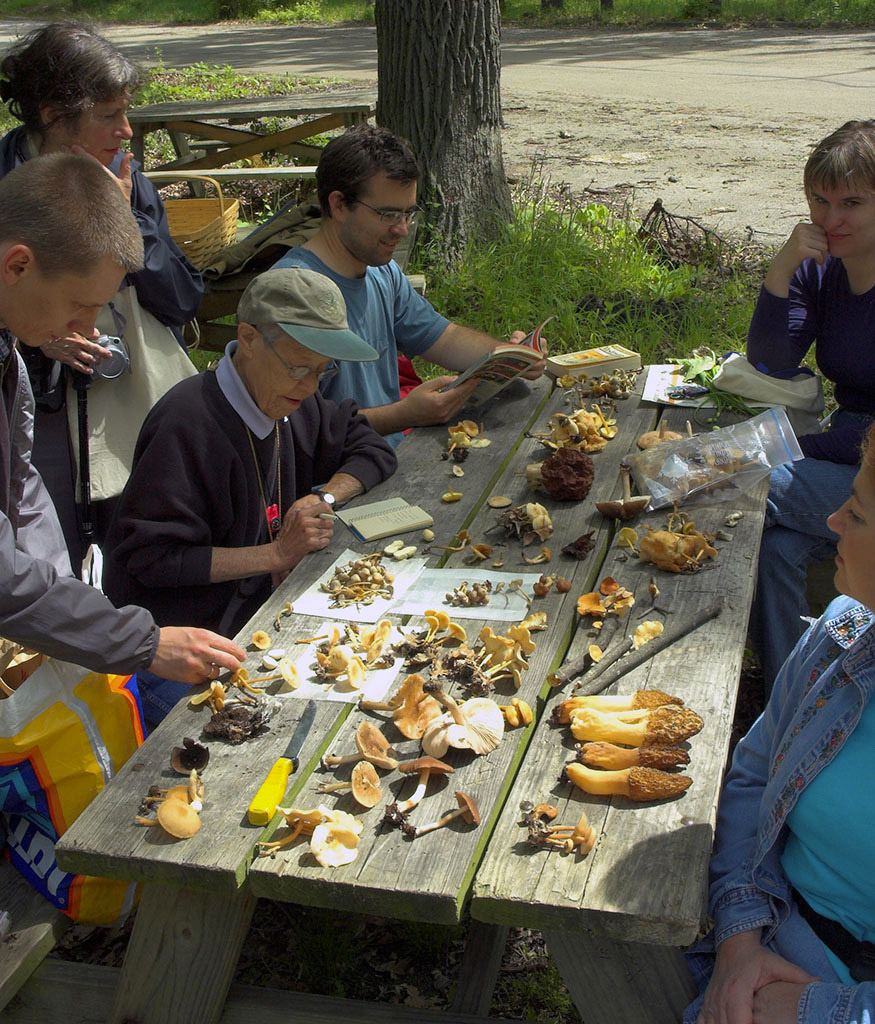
235	470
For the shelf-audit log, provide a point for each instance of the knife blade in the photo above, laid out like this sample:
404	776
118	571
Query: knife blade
272	790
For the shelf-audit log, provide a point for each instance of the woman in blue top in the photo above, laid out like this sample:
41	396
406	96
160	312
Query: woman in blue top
791	892
819	290
71	89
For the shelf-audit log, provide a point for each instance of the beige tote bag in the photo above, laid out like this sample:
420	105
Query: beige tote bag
117	408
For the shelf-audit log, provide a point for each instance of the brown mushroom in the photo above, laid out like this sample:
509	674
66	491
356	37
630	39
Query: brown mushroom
371	744
364	783
425	767
608	755
664	725
467	810
627	507
191	755
655	437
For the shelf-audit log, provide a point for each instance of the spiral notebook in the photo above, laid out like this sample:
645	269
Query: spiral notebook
384	518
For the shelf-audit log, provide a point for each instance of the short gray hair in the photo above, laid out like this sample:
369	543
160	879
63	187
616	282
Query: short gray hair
69	212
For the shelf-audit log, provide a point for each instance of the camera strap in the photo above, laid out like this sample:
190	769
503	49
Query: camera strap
119	319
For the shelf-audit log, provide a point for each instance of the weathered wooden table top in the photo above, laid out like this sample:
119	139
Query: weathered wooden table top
643	882
244	109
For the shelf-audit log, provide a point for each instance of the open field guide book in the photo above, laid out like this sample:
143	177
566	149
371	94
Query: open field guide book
502	365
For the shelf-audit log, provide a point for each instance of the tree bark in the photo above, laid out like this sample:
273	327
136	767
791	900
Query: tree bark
438	67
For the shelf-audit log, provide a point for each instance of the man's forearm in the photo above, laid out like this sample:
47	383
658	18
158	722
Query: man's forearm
387	419
238	563
458	347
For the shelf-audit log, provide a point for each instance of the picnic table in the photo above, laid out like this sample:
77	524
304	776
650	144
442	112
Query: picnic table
210	122
613	921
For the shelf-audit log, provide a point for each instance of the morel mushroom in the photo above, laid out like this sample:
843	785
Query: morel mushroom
477	725
566	475
614	758
641	784
640	699
670	725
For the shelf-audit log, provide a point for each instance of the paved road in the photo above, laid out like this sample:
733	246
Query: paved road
752	101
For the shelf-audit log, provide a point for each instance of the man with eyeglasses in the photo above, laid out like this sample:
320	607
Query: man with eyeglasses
366	181
236	471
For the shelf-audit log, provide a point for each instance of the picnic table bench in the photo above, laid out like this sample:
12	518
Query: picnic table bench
613	921
190	121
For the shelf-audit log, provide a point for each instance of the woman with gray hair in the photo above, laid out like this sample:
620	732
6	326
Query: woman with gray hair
71	89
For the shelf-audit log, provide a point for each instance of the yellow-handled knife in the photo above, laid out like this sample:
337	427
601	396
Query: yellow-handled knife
272	790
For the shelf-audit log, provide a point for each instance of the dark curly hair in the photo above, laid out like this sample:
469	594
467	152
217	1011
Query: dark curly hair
364	150
65	65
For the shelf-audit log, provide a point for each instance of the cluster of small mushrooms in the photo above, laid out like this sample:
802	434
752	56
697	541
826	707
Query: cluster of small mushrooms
422	710
177	808
360	581
612	598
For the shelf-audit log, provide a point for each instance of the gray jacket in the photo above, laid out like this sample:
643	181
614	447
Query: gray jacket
42	606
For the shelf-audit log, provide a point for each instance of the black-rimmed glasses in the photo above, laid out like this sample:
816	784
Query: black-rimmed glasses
300	372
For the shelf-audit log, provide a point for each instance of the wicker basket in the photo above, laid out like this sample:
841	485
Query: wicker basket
203	227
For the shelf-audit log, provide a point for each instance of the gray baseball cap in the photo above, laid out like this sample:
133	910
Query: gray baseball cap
309	307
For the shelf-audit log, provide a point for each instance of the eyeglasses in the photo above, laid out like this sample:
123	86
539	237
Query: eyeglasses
300	372
394	217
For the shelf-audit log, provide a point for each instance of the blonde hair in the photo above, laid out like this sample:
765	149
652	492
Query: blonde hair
844	158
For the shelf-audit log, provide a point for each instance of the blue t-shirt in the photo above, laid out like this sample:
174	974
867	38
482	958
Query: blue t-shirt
382	308
830	852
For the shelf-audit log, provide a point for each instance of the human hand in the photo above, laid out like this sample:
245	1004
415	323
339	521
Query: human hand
742	967
426	404
806	241
302	531
191	655
124	179
76	351
536	369
778	1002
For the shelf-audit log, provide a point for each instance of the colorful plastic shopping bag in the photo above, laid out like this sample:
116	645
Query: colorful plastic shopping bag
63	735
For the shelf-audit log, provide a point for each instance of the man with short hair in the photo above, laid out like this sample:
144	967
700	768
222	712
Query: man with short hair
366	180
67	237
236	471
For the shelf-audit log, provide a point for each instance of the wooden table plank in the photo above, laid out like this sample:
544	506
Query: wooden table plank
429	879
645	880
250	108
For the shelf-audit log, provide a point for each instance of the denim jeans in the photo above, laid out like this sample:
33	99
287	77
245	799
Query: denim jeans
158	695
801	497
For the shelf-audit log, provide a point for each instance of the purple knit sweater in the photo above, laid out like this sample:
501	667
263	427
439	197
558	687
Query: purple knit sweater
821	309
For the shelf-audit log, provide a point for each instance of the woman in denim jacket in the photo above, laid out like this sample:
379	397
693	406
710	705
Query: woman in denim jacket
796	825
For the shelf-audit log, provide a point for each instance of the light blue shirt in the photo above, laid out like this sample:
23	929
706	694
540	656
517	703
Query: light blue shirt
232	387
382	308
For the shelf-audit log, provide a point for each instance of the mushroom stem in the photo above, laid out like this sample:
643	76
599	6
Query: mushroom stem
332	760
148	822
333	787
626	475
379	705
418	793
448	702
264	848
445	820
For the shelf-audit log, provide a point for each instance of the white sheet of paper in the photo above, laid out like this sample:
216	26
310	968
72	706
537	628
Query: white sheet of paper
377	682
317	602
662	376
431	586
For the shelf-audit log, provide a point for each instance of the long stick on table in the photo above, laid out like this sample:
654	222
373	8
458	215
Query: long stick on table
647	651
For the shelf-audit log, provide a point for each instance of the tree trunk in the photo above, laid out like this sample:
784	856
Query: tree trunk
438	67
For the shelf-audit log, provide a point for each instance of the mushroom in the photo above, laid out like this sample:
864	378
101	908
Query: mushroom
610	756
412	708
371	744
627	507
639	784
517	713
544	556
335	841
364	783
302	822
477	725
425	767
467	810
644	727
654	437
178	818
191	755
640	699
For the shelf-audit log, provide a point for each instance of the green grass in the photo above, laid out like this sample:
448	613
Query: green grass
587	266
812	13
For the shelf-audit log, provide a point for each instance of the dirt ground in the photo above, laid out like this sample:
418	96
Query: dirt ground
739	177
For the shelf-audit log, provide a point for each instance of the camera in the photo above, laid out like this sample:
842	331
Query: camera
118	362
